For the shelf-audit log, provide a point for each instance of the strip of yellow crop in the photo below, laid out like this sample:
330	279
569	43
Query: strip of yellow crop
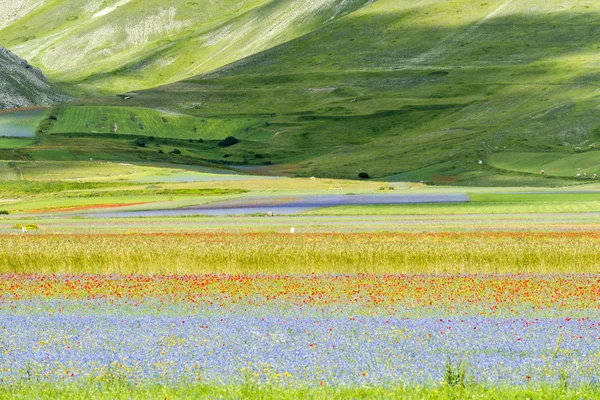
302	254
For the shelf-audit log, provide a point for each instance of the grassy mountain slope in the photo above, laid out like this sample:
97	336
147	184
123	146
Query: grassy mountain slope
418	90
22	85
119	45
446	91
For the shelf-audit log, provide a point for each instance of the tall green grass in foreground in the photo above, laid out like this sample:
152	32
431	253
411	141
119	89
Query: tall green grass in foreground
270	253
250	391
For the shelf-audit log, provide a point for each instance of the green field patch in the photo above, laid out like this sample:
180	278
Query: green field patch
101	171
534	197
20	123
147	122
14	143
120	387
553	164
155	192
16	188
531	207
52	155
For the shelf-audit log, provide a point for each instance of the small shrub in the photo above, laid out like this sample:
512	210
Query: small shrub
140	142
161	152
175	151
3	212
455	375
228	141
363	175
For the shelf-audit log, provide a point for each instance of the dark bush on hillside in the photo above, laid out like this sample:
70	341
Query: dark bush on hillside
3	212
161	152
363	175
175	151
228	141
141	142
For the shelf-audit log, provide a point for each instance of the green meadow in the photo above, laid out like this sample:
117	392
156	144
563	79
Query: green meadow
257	391
145	122
14	143
536	203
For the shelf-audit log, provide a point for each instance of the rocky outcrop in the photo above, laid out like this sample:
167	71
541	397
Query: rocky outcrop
23	85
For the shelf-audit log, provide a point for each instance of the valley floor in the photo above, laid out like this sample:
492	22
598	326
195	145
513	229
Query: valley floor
493	296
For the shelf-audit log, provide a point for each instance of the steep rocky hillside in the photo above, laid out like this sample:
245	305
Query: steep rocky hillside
23	85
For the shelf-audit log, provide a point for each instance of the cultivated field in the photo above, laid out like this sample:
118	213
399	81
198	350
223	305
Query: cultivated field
496	297
146	123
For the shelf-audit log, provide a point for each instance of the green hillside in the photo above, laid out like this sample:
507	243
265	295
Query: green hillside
120	45
419	90
448	92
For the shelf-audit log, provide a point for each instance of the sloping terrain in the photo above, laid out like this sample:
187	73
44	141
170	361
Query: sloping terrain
22	85
420	90
415	90
120	45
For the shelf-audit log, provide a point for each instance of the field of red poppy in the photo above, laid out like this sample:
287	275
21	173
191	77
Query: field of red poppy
444	315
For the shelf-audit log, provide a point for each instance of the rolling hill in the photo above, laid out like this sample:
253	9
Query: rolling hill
119	45
420	90
439	91
22	85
